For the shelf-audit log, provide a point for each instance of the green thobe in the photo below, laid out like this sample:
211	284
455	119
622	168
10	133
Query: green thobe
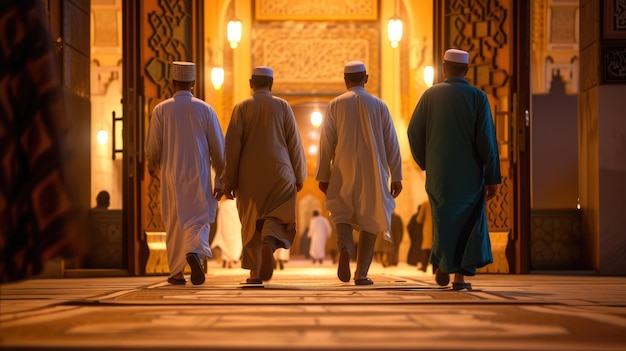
452	138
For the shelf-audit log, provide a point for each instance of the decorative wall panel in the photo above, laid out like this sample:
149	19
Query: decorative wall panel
614	61
309	58
614	19
167	38
319	9
556	240
482	28
614	42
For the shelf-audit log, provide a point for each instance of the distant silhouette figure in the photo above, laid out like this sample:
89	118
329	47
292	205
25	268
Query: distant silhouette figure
103	200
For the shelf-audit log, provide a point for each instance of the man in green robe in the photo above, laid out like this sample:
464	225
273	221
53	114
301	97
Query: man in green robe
452	138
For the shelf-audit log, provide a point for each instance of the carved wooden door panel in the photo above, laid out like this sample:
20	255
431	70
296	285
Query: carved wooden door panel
155	34
495	33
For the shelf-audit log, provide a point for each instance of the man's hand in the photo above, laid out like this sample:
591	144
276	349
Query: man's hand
218	193
323	186
396	188
229	192
490	191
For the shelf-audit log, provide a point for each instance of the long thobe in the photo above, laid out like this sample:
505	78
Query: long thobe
358	151
319	232
228	231
184	141
452	138
264	162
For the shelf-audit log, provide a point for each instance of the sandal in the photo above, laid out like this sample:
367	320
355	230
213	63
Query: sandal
442	278
254	281
177	281
363	281
197	274
462	286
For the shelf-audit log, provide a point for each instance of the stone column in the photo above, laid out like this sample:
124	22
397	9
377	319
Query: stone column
602	135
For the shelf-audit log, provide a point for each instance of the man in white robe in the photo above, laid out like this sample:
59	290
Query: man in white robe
319	231
265	168
358	151
184	141
228	232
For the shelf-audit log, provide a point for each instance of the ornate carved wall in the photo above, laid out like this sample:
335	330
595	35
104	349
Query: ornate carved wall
307	54
308	57
168	36
483	28
315	10
555	43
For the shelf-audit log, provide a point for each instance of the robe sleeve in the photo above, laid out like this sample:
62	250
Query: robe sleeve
154	141
486	141
416	132
232	150
328	142
392	148
215	139
294	145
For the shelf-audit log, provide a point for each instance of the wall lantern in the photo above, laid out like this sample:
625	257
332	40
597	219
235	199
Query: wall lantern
234	32
394	28
217	77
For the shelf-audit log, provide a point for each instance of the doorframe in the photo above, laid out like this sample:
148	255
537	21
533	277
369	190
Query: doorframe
133	167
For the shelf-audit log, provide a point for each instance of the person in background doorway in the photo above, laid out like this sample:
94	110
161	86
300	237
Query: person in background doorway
358	152
397	231
415	237
228	233
184	141
265	169
420	228
452	137
103	200
319	231
281	256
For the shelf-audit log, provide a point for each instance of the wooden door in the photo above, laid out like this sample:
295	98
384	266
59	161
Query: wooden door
496	34
155	34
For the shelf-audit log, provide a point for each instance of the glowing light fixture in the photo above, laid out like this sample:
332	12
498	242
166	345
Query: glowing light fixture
234	31
316	119
312	150
217	77
102	136
394	28
429	75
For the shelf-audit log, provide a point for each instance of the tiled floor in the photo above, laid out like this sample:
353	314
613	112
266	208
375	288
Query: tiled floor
305	307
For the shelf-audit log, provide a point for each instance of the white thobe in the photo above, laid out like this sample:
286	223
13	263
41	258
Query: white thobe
319	232
228	231
184	140
358	150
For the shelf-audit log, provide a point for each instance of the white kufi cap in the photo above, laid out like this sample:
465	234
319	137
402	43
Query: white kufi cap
354	67
455	55
263	71
183	71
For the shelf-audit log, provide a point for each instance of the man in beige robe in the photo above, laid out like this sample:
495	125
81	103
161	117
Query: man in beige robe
359	152
265	168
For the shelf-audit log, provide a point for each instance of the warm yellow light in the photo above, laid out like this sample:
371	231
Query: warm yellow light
394	31
316	119
312	150
102	137
234	32
217	77
429	75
